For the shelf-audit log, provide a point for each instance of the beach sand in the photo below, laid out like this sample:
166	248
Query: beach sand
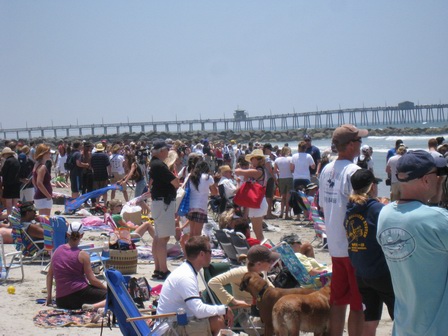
17	311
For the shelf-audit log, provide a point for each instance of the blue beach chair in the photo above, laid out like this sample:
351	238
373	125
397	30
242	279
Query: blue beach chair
129	318
297	269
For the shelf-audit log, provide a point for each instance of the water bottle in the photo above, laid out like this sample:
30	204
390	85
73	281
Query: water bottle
106	253
182	317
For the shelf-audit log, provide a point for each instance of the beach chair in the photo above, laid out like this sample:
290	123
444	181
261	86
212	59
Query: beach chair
24	243
55	234
129	318
239	242
9	261
227	246
214	269
135	237
316	219
293	264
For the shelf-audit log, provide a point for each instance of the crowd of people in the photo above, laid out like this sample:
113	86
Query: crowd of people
380	253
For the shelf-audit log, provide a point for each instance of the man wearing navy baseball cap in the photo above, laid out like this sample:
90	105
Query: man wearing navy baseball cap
414	239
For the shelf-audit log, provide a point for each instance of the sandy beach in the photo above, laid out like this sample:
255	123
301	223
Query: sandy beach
17	311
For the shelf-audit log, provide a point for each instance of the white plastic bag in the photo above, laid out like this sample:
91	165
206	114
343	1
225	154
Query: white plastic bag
132	213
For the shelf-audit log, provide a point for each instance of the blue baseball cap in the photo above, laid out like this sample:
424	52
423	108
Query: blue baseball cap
416	164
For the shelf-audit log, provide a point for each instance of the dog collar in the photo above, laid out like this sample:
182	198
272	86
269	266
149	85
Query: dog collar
261	293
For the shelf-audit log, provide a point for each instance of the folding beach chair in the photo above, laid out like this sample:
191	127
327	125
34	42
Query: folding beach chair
214	269
293	264
239	242
316	219
55	235
129	318
135	237
9	261
23	241
227	246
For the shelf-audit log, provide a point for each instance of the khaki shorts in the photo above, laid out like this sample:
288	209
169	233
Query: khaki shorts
194	327
285	185
164	223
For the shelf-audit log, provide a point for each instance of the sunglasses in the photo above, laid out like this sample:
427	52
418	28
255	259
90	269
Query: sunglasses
357	140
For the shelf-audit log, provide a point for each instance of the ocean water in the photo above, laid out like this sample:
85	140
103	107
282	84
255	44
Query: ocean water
380	145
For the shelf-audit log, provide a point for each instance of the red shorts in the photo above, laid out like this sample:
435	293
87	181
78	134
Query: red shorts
344	289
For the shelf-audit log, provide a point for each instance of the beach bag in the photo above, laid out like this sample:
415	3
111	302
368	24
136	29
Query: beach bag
140	291
180	194
184	205
69	164
250	195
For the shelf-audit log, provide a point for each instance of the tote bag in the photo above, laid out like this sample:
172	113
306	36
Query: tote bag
180	194
184	205
250	195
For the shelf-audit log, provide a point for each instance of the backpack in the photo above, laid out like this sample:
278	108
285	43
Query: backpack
70	163
140	291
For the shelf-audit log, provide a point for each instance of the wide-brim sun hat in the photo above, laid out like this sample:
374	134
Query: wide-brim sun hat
41	150
255	154
7	151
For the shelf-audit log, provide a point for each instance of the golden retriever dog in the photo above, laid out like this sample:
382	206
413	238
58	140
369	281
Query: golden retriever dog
266	297
296	312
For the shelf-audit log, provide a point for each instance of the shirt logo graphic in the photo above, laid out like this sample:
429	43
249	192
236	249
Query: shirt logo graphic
397	244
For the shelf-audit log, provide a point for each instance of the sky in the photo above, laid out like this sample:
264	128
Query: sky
69	62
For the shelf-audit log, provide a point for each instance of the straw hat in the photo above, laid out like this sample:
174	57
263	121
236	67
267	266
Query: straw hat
7	151
255	153
171	158
99	147
41	150
224	169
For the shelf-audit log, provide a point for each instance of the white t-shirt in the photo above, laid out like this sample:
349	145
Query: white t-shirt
302	163
229	186
334	190
116	164
181	290
199	198
284	166
392	164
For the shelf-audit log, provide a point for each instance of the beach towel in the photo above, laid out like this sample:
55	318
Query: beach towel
53	318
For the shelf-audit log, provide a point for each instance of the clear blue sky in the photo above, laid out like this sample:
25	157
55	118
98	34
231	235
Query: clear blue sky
63	61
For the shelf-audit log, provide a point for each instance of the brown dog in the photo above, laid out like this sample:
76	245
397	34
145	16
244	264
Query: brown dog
294	313
267	296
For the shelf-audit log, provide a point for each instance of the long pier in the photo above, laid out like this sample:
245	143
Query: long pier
365	116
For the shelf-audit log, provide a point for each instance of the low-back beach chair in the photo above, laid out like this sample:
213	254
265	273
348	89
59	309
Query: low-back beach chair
9	261
129	318
293	264
23	241
55	235
227	246
316	219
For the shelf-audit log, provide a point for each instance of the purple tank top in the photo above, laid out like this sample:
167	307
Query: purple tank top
47	184
68	272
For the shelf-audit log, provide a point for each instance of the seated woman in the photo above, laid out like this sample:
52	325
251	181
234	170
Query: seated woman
29	219
114	208
76	285
244	228
305	253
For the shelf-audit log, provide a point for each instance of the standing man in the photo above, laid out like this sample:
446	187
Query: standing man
76	169
335	189
101	170
181	290
315	153
163	193
414	239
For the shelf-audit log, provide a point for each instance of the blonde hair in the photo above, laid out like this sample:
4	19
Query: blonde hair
113	203
286	151
360	196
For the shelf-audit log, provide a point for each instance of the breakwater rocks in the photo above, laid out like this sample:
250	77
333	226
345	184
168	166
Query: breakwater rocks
241	136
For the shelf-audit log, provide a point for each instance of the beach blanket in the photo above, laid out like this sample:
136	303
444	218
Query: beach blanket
65	318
